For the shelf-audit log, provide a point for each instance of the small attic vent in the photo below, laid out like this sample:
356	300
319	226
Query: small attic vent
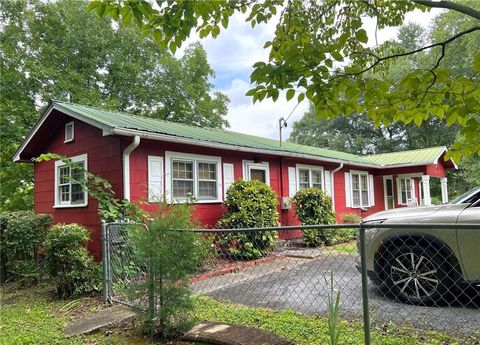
69	133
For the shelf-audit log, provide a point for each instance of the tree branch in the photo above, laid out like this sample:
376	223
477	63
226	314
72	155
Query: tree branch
388	57
451	6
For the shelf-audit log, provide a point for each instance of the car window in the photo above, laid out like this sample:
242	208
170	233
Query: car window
468	198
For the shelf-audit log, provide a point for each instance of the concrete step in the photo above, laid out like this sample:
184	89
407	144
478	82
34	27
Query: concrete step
226	334
101	319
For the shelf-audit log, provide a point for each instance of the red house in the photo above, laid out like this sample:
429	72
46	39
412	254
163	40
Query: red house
148	159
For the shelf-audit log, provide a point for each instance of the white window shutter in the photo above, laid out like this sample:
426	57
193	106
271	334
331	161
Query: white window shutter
292	181
328	182
228	178
155	178
371	191
348	190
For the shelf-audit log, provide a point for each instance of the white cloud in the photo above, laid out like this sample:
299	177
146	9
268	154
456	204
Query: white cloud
236	49
260	118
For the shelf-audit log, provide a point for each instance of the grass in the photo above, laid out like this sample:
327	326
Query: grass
346	247
307	330
34	316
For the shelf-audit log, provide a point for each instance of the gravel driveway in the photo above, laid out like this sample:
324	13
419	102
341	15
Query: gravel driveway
301	284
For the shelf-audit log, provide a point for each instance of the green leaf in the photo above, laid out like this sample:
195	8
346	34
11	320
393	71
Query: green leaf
301	97
101	10
476	63
93	5
336	55
361	35
290	94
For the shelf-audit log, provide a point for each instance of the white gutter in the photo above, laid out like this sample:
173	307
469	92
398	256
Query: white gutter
175	139
126	166
337	169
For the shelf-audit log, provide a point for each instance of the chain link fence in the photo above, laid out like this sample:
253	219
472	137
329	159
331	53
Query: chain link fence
426	276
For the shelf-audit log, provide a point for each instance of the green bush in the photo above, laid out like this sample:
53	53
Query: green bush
68	261
312	207
249	204
351	218
172	254
21	235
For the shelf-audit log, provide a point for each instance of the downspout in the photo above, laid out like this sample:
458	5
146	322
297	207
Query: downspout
126	166
337	169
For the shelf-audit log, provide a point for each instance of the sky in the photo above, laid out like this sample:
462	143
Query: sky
237	48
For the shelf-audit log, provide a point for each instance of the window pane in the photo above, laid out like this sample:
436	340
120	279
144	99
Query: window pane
364	197
182	188
364	182
64	174
78	196
409	188
207	190
182	170
76	172
303	178
258	174
355	182
64	193
356	190
317	179
356	197
207	171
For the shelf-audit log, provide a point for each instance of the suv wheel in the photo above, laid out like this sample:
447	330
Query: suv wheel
417	275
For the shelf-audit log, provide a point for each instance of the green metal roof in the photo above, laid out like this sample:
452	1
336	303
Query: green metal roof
421	156
119	120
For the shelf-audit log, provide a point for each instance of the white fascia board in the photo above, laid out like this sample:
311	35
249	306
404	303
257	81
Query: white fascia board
440	155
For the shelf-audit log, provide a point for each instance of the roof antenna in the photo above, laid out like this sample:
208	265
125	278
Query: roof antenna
281	123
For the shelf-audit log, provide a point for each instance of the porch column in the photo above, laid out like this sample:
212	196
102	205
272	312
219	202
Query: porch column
443	183
426	190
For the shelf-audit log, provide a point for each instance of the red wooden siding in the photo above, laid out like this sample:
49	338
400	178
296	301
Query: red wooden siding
104	159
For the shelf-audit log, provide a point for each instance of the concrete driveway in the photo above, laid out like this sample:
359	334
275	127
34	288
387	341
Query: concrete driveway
301	284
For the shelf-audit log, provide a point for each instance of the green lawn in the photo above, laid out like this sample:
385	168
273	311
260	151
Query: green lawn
34	316
303	329
346	247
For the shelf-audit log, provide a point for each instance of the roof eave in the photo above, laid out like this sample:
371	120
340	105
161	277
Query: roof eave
440	156
177	139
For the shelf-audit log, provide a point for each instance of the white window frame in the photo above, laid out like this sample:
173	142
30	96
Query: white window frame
170	156
67	140
58	164
249	165
360	173
310	168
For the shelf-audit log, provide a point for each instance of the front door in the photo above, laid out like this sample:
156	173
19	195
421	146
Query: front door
389	195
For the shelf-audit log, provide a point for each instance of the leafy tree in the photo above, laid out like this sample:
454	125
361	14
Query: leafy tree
59	50
313	42
359	135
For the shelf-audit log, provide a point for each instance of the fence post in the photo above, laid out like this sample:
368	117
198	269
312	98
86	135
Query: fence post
105	263
363	265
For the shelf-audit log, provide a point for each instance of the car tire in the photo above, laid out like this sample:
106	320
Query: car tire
417	275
